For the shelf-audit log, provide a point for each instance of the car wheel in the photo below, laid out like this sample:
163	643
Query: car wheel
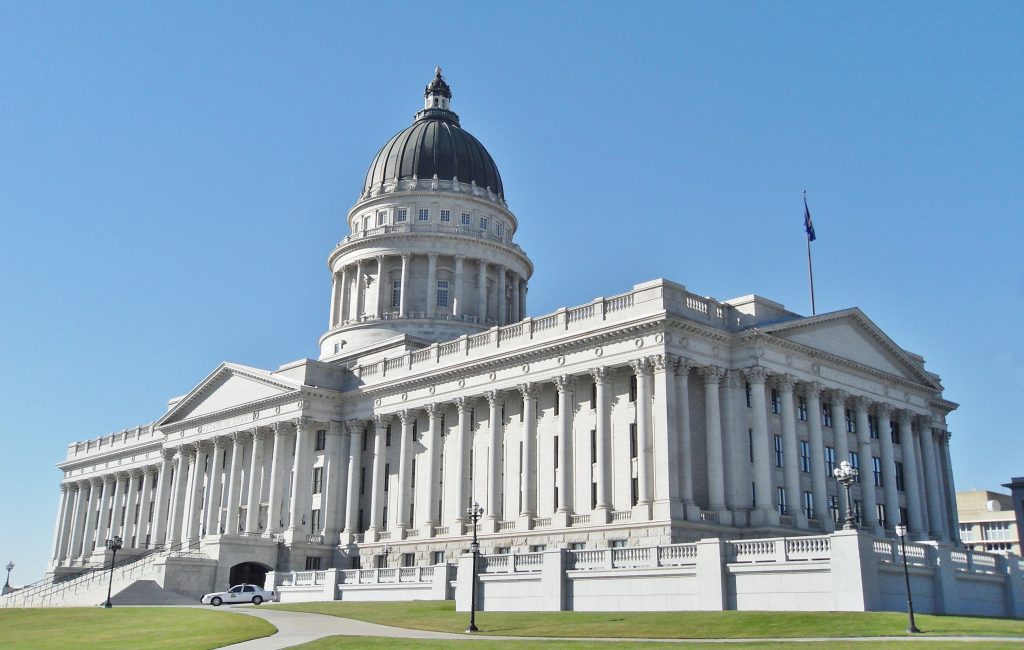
216	601
256	600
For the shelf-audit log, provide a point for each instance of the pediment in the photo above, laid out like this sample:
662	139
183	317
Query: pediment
849	334
227	387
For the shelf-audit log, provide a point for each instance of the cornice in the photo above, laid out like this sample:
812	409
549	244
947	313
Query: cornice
374	241
112	454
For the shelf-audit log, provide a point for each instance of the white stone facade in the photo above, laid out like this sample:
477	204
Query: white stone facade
653	417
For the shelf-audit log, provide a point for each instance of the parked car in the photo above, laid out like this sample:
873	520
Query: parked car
239	594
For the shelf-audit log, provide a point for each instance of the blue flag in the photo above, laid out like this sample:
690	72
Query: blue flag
808	224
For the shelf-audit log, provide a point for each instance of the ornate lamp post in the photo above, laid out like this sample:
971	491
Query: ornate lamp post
901	531
7	585
846	474
474	511
114	545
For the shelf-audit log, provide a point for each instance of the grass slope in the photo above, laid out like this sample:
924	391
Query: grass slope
153	628
441	616
378	643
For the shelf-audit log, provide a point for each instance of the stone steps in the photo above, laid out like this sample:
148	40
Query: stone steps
148	592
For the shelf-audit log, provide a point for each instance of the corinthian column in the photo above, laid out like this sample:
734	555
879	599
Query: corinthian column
818	479
178	497
461	440
252	506
131	515
403	288
481	306
405	458
78	523
684	462
214	498
431	284
642	369
765	513
163	496
869	509
196	506
713	427
378	498
839	439
892	497
356	431
457	307
430	454
301	476
502	304
61	525
565	385
602	431
357	299
89	538
494	426
144	529
528	477
933	485
234	483
381	289
791	469
277	476
332	503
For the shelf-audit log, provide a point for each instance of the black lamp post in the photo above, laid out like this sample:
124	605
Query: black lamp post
114	545
901	531
846	474
474	511
7	585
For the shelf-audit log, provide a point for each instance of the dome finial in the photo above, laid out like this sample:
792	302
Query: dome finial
437	87
437	71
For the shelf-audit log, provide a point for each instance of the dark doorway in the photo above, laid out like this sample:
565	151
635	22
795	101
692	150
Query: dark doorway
251	573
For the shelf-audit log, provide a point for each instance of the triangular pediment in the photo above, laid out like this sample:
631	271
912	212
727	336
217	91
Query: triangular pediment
229	386
849	334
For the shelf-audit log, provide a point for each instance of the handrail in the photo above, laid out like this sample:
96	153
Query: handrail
44	590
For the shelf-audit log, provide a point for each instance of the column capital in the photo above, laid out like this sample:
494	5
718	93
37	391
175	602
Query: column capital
135	472
906	419
460	404
838	395
281	428
640	365
359	265
303	422
860	403
380	258
335	428
459	258
167	453
238	437
659	362
404	416
433	410
356	426
563	382
150	470
601	375
812	387
405	257
756	374
259	434
97	481
882	410
492	397
65	487
122	475
785	382
382	420
528	390
711	374
432	255
733	378
682	365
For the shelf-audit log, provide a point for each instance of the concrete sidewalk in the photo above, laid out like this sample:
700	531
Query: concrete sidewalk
294	628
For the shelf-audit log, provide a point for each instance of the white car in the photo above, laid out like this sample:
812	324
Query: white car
239	594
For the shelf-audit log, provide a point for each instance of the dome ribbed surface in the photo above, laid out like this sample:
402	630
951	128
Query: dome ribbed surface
434	144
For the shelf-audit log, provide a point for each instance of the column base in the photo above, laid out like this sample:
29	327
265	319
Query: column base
293	535
692	510
347	538
560	519
762	517
371	535
397	533
642	512
668	509
524	522
600	516
489	525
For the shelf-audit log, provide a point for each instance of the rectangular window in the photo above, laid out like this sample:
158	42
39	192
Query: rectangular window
424	214
855	463
632	388
412	474
632	439
801	409
396	293
593	496
321	440
873	426
746	388
382	218
805	456
966	532
808	505
483	223
776	402
557	403
851	422
833	507
466	219
593	446
408	559
499	229
593	396
782	500
555	439
856	510
314	522
894	431
362	481
778	451
830	460
617	543
438	557
442	293
365	437
312	564
577	546
753	495
996	531
402	215
750	444
826	415
876	469
387	476
880	514
446	216
634	487
387	436
899	476
903	516
384	518
318	479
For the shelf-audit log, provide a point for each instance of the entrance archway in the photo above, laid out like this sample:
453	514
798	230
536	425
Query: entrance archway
252	573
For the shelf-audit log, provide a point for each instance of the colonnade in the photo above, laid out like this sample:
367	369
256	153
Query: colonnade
197	489
351	286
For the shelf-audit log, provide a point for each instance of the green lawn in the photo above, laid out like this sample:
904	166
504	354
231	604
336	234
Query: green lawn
378	643
152	628
441	616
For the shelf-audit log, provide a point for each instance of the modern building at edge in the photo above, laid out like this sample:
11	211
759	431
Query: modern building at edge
650	417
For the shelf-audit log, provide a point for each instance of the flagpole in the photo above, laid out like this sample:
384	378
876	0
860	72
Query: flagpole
810	266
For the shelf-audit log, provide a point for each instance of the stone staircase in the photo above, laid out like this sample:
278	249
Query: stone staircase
138	578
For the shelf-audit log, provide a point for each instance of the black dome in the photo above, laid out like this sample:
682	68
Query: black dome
434	144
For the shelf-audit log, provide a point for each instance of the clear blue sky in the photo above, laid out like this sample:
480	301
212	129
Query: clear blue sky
173	175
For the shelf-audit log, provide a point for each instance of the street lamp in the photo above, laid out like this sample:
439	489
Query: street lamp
474	511
901	531
847	474
7	585
114	545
